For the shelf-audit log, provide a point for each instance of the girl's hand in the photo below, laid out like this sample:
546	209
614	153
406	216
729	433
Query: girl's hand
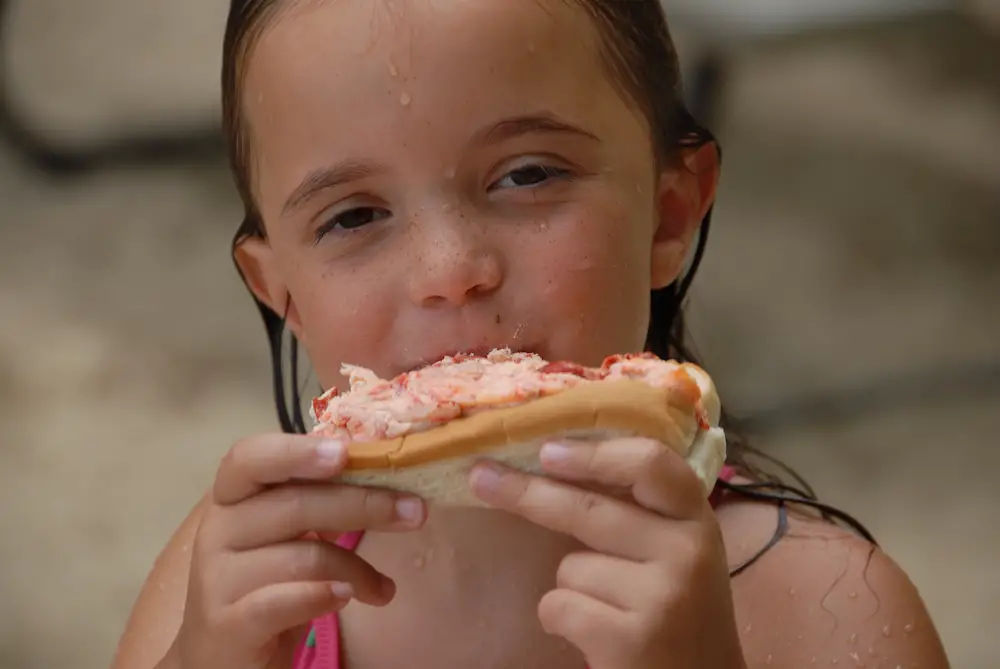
654	591
255	578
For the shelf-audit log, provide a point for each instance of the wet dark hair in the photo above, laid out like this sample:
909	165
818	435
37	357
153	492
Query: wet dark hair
642	61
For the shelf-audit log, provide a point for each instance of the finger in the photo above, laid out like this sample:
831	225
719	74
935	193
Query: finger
589	624
622	584
256	463
274	609
658	477
304	561
605	524
287	512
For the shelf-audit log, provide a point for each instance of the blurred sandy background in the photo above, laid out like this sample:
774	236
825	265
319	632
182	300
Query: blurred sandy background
856	237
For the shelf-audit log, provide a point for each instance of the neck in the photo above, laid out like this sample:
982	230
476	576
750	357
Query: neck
481	573
461	551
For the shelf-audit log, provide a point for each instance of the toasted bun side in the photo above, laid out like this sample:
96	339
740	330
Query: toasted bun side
709	396
446	482
630	407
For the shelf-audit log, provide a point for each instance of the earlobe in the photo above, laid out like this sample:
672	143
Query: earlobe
686	194
255	258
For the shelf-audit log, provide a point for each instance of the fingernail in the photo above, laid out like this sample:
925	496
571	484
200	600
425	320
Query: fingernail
409	509
342	590
485	477
555	454
330	451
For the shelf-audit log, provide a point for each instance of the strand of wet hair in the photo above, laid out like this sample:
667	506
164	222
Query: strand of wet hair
757	492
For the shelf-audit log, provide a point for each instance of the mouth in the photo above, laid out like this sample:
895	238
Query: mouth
467	353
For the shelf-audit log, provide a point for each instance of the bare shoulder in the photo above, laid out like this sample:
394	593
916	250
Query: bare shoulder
823	594
158	611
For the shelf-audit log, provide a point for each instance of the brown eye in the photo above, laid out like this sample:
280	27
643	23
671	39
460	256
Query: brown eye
530	176
352	219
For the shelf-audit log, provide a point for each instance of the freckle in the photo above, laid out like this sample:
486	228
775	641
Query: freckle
405	99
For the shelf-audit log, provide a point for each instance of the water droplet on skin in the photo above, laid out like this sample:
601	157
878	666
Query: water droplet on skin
853	595
908	628
531	47
450	173
834	661
857	660
405	99
853	640
542	226
887	631
871	651
748	628
769	659
791	592
419	562
393	70
812	660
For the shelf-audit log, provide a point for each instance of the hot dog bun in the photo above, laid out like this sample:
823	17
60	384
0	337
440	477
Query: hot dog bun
679	407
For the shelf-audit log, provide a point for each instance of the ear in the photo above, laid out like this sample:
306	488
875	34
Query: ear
686	193
255	258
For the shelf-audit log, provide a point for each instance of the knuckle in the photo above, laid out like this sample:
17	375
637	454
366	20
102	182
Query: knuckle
288	448
310	562
376	506
587	502
567	571
555	613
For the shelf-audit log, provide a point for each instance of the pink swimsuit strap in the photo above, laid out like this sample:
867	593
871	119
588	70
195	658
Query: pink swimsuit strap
321	649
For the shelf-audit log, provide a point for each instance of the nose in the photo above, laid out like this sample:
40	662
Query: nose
452	263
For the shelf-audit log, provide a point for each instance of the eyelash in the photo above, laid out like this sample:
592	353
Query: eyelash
547	172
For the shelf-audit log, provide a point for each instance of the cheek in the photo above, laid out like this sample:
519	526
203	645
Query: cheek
596	281
343	318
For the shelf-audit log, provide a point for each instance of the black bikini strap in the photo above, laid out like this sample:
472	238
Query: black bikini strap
779	534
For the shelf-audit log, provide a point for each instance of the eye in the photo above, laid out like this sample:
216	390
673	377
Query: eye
352	219
530	176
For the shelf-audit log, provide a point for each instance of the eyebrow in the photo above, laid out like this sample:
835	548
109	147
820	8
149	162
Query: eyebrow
325	178
530	124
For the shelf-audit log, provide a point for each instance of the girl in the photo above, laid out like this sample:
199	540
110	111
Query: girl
432	176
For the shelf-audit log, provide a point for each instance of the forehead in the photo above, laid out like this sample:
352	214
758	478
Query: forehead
332	78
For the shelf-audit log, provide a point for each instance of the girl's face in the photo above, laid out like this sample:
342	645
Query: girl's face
442	175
